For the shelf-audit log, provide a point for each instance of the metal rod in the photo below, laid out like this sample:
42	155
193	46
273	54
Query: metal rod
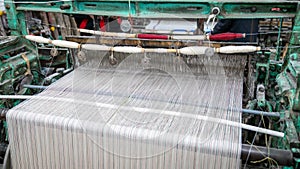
278	41
34	86
257	112
247	111
169	113
256	153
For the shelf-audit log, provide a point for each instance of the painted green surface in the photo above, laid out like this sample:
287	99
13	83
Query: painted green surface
169	9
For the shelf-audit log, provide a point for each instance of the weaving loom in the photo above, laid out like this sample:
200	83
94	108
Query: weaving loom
134	116
149	84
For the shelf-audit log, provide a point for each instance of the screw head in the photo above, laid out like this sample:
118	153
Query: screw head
263	69
65	6
7	6
216	10
253	9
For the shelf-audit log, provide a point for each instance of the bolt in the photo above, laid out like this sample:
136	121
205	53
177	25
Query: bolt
272	68
215	10
65	6
7	6
16	73
262	56
276	88
253	9
34	64
263	69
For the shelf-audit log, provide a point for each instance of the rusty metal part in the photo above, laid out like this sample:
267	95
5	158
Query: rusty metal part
28	71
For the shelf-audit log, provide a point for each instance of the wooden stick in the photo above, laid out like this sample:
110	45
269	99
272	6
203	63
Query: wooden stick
60	22
52	22
143	36
44	19
74	26
67	24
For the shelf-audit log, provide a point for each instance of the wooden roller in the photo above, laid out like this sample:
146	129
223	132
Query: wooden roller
66	44
160	50
237	49
38	39
167	32
193	37
96	47
128	49
193	50
112	34
143	36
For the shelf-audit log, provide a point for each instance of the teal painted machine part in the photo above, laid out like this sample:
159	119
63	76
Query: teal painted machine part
152	9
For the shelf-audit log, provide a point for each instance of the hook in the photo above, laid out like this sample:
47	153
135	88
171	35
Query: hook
81	55
112	59
54	52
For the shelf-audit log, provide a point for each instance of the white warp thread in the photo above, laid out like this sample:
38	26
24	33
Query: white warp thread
124	128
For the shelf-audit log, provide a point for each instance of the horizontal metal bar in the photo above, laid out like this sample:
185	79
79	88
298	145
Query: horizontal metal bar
256	153
167	113
34	86
257	112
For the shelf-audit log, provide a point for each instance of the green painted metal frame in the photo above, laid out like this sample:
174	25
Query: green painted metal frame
153	9
169	9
